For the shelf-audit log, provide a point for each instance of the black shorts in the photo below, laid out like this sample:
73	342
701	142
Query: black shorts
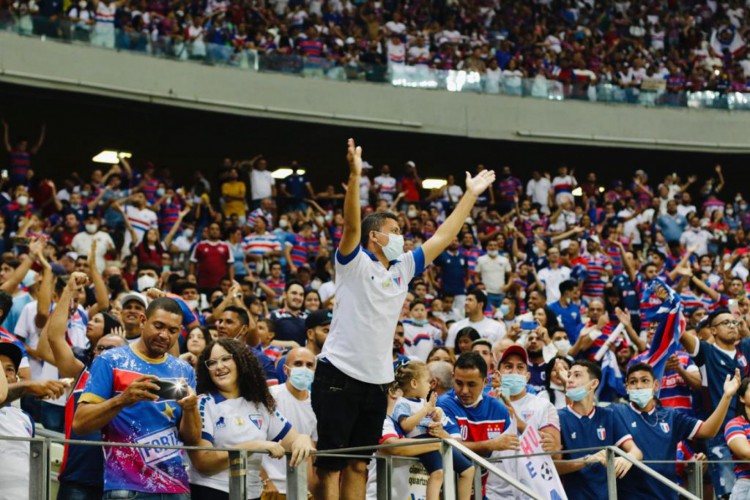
350	413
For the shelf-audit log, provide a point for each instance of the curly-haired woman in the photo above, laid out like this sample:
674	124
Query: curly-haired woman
237	411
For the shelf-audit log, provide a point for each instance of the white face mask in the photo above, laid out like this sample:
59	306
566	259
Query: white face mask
192	304
320	220
23	200
91	228
145	282
188	233
283	223
394	247
412	214
563	346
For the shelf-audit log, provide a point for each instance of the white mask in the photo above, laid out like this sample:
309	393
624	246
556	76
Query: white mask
145	282
188	233
563	346
192	304
394	247
23	200
283	223
412	214
91	228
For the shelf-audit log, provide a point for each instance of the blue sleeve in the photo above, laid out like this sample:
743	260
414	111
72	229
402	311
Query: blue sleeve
418	261
700	359
268	368
402	410
619	426
280	375
449	410
99	387
684	425
345	259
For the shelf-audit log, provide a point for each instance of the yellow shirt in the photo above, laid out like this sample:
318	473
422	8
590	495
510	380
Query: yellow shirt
234	207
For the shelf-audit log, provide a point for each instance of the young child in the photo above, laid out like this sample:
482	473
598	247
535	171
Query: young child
415	413
419	335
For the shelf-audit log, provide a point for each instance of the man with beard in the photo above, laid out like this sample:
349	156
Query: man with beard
290	319
398	346
537	366
317	324
234	322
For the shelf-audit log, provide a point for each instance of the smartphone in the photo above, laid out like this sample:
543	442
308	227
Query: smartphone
529	325
734	307
171	389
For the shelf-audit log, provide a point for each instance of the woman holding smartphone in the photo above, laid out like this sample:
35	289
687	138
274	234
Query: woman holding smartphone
237	411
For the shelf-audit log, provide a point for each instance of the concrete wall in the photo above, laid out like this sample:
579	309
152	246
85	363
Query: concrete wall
85	69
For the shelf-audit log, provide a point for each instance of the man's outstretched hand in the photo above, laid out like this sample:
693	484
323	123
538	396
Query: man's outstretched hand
476	185
354	157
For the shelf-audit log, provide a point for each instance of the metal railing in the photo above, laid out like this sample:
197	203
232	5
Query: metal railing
40	475
652	92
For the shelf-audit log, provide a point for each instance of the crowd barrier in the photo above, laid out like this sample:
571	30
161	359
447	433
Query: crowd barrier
651	93
41	475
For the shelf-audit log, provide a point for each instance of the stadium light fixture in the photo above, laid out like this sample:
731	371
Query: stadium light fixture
433	183
578	192
601	189
284	172
110	157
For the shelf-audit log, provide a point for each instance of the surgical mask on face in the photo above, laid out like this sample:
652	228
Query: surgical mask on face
301	378
562	345
706	269
29	279
641	397
329	218
146	282
23	200
534	217
192	304
475	403
730	212
91	228
577	393
743	207
188	233
492	253
394	247
283	223
419	322
504	309
320	220
160	192
514	383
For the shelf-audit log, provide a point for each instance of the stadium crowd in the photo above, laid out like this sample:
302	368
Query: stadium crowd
676	46
139	309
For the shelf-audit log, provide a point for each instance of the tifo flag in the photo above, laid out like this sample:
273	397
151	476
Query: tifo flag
670	323
612	385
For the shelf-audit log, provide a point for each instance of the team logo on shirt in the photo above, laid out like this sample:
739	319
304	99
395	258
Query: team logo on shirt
664	426
165	437
220	424
256	419
601	433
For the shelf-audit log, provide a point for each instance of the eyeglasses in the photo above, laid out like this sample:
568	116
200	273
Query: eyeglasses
212	364
728	322
102	348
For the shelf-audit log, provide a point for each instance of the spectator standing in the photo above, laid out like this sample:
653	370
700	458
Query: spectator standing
262	183
476	302
212	260
385	185
549	278
372	276
82	241
20	156
233	192
537	190
493	270
140	217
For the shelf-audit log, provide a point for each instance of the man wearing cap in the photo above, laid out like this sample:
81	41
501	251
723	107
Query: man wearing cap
513	367
567	313
355	366
82	242
317	326
133	315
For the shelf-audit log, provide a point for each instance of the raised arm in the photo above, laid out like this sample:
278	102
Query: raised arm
40	141
100	289
352	216
449	229
720	185
176	227
66	362
44	297
6	137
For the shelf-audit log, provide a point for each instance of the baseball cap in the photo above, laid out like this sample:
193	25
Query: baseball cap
517	350
134	296
12	351
320	317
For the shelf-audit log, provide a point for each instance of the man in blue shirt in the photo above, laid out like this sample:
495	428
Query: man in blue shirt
454	273
719	361
657	430
672	224
568	314
584	425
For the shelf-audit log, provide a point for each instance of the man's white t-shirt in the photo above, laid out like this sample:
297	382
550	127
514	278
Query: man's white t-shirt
141	220
261	184
368	302
493	272
552	279
14	473
81	244
700	238
487	328
537	412
538	191
300	414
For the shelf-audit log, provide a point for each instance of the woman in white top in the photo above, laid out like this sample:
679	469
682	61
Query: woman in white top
237	411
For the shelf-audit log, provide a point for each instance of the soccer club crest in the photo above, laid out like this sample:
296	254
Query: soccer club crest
256	419
664	426
220	424
601	433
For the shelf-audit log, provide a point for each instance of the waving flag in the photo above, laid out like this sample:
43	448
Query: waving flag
670	323
613	385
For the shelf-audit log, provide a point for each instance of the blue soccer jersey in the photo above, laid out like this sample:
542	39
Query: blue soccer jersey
487	420
657	434
715	364
599	428
148	470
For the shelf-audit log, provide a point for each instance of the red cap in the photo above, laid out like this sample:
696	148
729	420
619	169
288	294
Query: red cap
517	350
